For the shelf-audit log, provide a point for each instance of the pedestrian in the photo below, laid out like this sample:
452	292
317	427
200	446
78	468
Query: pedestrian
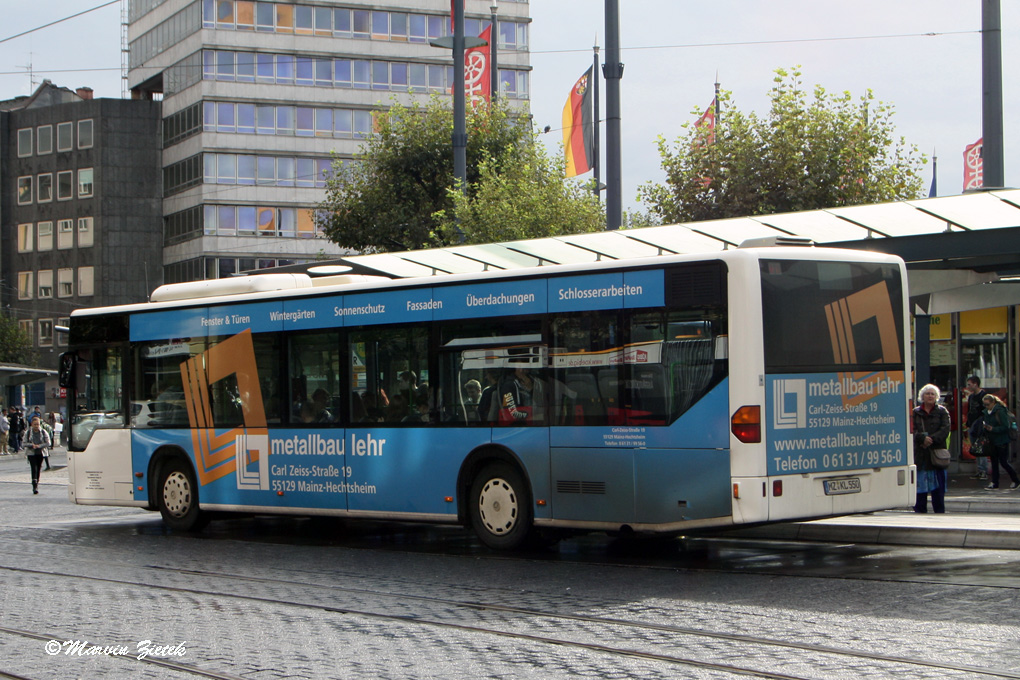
5	431
996	424
975	406
36	440
931	430
17	428
49	433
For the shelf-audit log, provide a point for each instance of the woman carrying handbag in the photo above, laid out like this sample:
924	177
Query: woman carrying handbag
931	430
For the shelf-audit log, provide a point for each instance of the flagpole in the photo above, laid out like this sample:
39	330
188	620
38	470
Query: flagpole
718	105
595	118
459	103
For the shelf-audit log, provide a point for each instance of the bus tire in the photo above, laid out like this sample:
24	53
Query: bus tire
177	497
500	507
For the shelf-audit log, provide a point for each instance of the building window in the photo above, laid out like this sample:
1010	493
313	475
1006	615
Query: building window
65	283
65	234
45	279
26	283
44	139
24	142
85	281
85	232
64	133
26	238
85	183
65	185
24	191
45	332
45	236
44	189
63	322
85	134
26	326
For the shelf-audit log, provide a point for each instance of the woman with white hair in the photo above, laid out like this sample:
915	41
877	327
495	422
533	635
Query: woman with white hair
930	423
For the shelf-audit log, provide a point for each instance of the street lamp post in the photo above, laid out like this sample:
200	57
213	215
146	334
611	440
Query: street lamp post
493	62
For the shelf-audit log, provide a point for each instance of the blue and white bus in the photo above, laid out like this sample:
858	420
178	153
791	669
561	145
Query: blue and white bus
654	395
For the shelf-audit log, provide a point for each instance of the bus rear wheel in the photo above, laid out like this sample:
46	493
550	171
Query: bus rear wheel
500	507
178	498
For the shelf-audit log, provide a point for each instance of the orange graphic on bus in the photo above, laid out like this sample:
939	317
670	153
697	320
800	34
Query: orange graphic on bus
235	449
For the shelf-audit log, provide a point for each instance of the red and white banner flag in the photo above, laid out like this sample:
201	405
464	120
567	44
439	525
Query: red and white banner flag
707	120
973	166
477	78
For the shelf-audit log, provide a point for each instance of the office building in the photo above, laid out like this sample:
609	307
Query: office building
259	98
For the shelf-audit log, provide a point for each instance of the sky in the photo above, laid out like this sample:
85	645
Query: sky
921	56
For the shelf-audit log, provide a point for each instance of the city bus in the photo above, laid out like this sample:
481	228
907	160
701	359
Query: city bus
656	395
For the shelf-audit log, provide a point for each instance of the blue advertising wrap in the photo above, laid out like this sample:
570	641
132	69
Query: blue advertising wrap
632	289
825	422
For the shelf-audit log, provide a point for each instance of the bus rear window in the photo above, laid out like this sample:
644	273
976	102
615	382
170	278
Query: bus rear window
831	316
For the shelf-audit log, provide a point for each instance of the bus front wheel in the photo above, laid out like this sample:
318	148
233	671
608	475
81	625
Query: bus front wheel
500	507
178	498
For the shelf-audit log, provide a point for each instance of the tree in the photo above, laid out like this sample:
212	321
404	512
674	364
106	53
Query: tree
527	199
15	346
399	193
832	151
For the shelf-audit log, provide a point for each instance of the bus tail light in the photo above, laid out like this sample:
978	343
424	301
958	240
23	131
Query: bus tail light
746	424
777	488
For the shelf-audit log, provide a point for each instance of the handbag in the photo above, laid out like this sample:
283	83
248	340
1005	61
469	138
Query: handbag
940	458
980	447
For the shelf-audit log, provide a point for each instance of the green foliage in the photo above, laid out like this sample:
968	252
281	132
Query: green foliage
527	199
831	151
398	195
15	346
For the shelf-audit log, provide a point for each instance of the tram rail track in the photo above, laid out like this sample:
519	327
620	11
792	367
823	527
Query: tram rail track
890	662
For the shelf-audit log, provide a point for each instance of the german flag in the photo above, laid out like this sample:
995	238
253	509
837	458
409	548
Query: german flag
578	128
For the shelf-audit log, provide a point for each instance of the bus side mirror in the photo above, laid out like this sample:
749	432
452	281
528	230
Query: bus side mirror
68	366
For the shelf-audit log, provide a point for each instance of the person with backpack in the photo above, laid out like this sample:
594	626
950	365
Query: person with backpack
997	425
975	408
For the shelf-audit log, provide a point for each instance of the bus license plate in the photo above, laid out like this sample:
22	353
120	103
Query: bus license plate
834	487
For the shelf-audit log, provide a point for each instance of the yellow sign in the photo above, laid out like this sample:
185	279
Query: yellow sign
993	320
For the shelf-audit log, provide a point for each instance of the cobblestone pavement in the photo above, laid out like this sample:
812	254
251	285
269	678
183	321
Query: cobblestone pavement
258	599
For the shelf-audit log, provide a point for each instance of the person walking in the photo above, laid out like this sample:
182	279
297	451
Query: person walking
975	407
931	430
36	440
996	424
5	432
49	433
17	428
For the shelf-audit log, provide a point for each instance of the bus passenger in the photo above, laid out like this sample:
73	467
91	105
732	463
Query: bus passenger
317	409
485	405
522	398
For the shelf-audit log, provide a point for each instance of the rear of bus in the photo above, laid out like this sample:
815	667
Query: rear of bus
833	434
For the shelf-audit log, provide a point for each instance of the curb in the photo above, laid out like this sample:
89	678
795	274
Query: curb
897	528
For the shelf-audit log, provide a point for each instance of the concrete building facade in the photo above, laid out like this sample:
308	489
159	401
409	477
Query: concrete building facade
80	208
259	100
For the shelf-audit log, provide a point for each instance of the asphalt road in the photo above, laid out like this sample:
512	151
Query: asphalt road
260	597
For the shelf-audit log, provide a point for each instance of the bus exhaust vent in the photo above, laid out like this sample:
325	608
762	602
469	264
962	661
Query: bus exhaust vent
774	241
573	486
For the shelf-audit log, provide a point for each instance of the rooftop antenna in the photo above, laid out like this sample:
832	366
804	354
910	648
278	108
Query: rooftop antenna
31	74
